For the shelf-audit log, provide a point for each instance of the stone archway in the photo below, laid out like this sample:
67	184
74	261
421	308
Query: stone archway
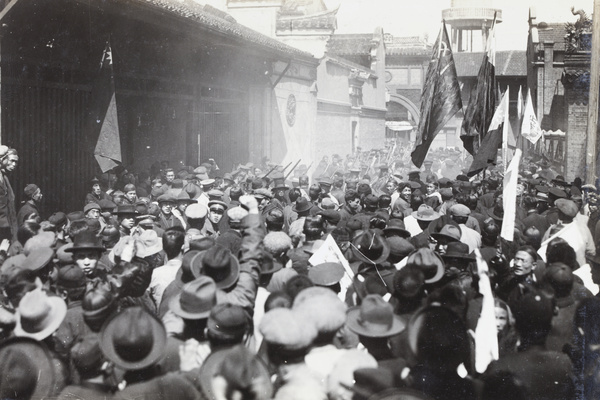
412	109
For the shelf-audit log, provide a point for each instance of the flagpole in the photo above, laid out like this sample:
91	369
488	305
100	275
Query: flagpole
592	127
505	132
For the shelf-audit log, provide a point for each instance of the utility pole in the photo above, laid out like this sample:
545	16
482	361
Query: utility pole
592	130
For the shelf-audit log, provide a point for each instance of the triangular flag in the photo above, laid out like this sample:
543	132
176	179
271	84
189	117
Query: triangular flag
104	122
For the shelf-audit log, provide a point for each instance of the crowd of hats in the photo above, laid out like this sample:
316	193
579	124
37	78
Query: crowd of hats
386	310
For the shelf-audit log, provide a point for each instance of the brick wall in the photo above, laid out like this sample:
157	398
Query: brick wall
575	140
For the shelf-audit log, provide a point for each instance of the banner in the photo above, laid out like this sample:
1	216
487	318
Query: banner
482	101
531	128
440	98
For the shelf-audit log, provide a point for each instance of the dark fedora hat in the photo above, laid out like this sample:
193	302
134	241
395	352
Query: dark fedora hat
302	205
196	299
370	247
222	266
133	339
395	227
449	233
28	370
126	209
429	262
374	318
326	274
86	240
190	266
458	250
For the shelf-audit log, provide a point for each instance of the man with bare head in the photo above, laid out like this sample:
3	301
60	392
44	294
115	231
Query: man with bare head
8	215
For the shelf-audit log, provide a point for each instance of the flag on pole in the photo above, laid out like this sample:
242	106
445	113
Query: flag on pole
104	123
520	104
486	336
505	134
488	151
482	101
509	197
530	129
440	98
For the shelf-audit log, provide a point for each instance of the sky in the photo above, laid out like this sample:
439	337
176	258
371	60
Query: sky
423	17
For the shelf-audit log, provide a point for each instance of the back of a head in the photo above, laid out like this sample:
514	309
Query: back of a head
385	200
235	193
313	227
26	231
173	240
560	277
438	338
560	251
533	311
294	194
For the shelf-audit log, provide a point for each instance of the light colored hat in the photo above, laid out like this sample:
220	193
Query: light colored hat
288	329
147	244
39	315
196	211
322	307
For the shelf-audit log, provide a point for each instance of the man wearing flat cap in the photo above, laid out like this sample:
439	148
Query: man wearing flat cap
33	195
577	234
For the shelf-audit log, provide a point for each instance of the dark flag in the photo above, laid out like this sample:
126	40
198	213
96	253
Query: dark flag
104	123
482	101
440	99
497	135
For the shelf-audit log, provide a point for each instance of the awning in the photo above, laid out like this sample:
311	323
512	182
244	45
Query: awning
399	126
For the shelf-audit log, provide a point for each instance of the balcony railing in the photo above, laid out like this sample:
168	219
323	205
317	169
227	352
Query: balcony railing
453	14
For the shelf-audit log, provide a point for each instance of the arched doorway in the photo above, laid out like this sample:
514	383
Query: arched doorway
401	119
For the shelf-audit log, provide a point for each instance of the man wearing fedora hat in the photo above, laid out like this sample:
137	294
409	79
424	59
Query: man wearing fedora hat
136	342
126	219
87	250
375	323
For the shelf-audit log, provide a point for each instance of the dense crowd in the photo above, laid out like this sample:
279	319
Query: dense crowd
358	279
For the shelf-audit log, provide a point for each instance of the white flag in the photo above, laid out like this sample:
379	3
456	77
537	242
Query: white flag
509	197
330	252
520	104
486	337
531	128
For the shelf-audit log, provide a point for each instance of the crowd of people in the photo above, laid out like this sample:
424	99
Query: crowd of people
362	279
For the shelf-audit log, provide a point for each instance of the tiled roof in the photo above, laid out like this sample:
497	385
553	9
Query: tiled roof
552	32
222	23
408	51
350	44
508	63
322	20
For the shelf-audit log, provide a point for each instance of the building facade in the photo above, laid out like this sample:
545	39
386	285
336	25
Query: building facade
191	84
